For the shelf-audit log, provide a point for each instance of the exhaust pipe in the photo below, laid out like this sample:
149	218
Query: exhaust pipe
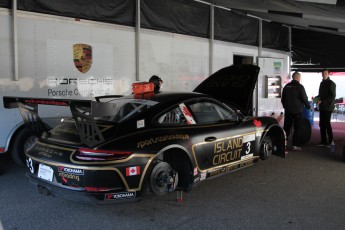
43	190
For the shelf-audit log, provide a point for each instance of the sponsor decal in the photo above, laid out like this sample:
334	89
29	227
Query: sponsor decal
66	176
48	152
140	124
133	171
247	156
257	123
82	56
142	144
226	151
247	138
71	170
247	145
120	196
195	171
230	168
203	176
187	114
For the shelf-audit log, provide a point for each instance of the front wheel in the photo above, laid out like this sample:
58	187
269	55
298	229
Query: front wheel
23	140
163	179
266	148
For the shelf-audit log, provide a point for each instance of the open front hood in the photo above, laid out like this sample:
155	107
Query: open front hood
234	84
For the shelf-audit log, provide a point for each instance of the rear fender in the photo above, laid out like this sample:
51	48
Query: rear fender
179	159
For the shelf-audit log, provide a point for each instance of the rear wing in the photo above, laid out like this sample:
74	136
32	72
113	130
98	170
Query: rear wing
84	113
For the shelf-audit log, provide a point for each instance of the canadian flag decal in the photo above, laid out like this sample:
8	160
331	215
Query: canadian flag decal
132	171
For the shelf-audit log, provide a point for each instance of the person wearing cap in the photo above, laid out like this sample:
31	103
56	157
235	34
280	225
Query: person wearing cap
157	81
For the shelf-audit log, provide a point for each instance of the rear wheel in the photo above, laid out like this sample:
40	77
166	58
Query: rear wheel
163	179
23	140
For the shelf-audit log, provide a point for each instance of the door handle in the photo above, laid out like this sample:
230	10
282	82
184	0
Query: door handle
210	139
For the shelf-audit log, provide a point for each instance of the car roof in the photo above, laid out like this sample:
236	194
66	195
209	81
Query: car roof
169	96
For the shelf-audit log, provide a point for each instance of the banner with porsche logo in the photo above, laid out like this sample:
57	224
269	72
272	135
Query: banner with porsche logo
82	56
77	69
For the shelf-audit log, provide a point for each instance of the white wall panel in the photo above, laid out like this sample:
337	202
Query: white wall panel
181	61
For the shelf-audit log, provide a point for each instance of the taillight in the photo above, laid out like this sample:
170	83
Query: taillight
100	155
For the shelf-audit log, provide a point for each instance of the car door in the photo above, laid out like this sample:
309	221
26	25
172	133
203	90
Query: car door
219	139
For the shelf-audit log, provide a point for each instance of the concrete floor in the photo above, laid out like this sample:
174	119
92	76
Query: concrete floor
338	126
305	190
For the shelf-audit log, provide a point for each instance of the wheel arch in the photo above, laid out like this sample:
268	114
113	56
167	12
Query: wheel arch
20	137
13	133
180	160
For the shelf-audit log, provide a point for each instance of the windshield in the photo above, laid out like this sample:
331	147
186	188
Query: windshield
123	108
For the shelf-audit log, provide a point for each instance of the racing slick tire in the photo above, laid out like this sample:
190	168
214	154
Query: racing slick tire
305	131
266	148
163	179
23	140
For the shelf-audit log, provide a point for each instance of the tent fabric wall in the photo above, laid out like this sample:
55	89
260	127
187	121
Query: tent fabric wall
313	51
233	27
275	36
115	11
5	3
183	17
176	16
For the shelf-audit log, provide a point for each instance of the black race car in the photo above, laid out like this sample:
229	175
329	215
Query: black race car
115	148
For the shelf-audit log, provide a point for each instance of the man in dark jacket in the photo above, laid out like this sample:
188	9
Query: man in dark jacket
325	101
294	98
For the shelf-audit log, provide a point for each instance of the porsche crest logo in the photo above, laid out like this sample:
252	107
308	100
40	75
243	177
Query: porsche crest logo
82	56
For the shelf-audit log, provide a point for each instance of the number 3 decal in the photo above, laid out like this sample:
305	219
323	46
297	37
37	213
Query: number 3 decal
29	164
248	147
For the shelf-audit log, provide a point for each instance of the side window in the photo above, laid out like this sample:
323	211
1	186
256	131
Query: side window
209	112
172	117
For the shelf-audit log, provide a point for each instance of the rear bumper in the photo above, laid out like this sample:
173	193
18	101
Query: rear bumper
81	195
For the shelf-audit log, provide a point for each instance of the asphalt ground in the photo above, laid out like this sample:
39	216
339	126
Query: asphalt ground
306	190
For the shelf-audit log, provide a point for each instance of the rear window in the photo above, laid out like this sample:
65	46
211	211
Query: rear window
123	108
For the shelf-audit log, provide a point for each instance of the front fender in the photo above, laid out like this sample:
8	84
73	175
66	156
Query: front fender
278	137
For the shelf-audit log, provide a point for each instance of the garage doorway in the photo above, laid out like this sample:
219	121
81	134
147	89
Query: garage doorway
242	59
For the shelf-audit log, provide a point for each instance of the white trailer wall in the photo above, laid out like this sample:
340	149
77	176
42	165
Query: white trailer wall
47	69
45	52
45	45
181	61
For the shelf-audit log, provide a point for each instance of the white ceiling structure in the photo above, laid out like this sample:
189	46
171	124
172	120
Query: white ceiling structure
320	15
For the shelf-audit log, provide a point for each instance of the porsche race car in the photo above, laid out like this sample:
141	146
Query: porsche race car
115	148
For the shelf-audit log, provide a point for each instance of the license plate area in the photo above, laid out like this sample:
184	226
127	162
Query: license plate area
45	172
